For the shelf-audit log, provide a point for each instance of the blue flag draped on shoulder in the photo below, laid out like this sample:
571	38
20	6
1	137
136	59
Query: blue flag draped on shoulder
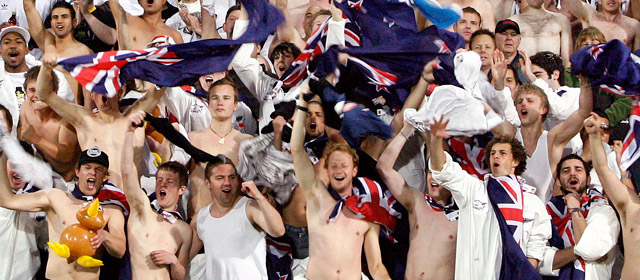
173	65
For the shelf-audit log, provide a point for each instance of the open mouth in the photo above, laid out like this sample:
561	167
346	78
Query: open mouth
208	80
313	126
573	182
162	194
226	191
339	178
13	56
91	183
524	112
59	27
149	2
496	165
434	185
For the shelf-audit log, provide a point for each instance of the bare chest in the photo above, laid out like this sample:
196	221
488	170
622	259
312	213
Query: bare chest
611	30
151	236
539	26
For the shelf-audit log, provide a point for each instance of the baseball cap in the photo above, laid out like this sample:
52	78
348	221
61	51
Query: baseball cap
506	24
94	154
23	32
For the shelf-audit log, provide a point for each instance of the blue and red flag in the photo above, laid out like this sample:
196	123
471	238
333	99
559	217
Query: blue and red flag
172	65
631	143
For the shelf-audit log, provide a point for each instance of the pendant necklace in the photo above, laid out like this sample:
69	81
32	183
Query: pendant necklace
221	141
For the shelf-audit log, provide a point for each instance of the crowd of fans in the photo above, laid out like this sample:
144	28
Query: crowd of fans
513	171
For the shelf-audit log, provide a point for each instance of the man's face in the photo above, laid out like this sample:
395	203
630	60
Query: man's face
91	176
14	178
341	171
511	83
282	61
32	97
529	107
611	6
315	120
573	176
104	103
207	80
466	25
317	22
483	45
224	184
308	18
168	189
501	160
540	73
61	22
13	50
508	41
435	190
222	102
152	6
230	22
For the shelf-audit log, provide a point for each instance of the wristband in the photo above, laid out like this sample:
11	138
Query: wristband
92	9
574	210
304	109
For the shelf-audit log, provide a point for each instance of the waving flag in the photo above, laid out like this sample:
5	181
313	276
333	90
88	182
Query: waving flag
172	65
610	66
631	144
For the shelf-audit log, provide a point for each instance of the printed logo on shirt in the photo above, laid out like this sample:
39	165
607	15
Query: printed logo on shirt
479	205
196	108
4	7
20	95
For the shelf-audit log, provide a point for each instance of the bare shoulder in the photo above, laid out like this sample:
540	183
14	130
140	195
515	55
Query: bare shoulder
243	136
631	22
184	229
112	210
558	17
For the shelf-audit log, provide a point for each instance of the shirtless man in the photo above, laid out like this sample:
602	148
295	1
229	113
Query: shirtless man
334	247
61	208
54	137
544	148
610	21
484	7
218	138
134	33
541	30
161	243
58	42
432	217
469	22
624	200
105	128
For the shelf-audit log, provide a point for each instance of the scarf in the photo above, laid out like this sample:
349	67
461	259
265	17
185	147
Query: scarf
28	188
450	210
507	199
170	216
108	194
563	225
369	201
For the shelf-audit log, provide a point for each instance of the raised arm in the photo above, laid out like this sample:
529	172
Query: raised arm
438	158
138	200
36	27
122	24
209	28
618	193
579	9
261	212
394	181
28	202
149	101
72	113
286	32
372	252
565	40
105	33
561	134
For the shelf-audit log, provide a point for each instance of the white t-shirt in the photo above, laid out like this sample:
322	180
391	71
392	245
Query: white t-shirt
17	79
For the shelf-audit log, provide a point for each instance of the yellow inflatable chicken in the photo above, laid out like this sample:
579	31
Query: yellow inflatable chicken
75	240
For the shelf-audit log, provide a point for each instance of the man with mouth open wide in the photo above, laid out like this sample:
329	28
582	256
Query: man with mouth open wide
61	208
433	217
336	235
159	239
232	228
544	148
503	227
135	32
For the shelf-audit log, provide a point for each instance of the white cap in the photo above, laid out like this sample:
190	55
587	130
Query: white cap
23	32
161	39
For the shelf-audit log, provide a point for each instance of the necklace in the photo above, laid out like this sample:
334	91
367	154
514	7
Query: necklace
221	141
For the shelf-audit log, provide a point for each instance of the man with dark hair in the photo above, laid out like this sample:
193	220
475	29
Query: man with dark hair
159	239
54	137
60	42
470	22
219	138
609	19
500	218
230	20
232	227
587	224
61	208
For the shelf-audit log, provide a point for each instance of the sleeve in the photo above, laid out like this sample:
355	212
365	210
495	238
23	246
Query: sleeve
600	235
335	34
619	110
540	230
456	180
247	68
546	265
559	108
501	102
64	90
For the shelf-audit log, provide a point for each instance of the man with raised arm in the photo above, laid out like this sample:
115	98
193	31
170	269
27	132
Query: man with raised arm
61	208
107	127
544	148
335	241
433	217
503	227
219	138
610	20
623	199
135	32
159	239
59	42
232	228
54	137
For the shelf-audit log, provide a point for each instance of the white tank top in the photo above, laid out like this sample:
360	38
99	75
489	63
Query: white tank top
538	173
234	249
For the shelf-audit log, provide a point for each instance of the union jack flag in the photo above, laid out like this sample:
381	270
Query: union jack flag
172	65
561	219
471	157
631	144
